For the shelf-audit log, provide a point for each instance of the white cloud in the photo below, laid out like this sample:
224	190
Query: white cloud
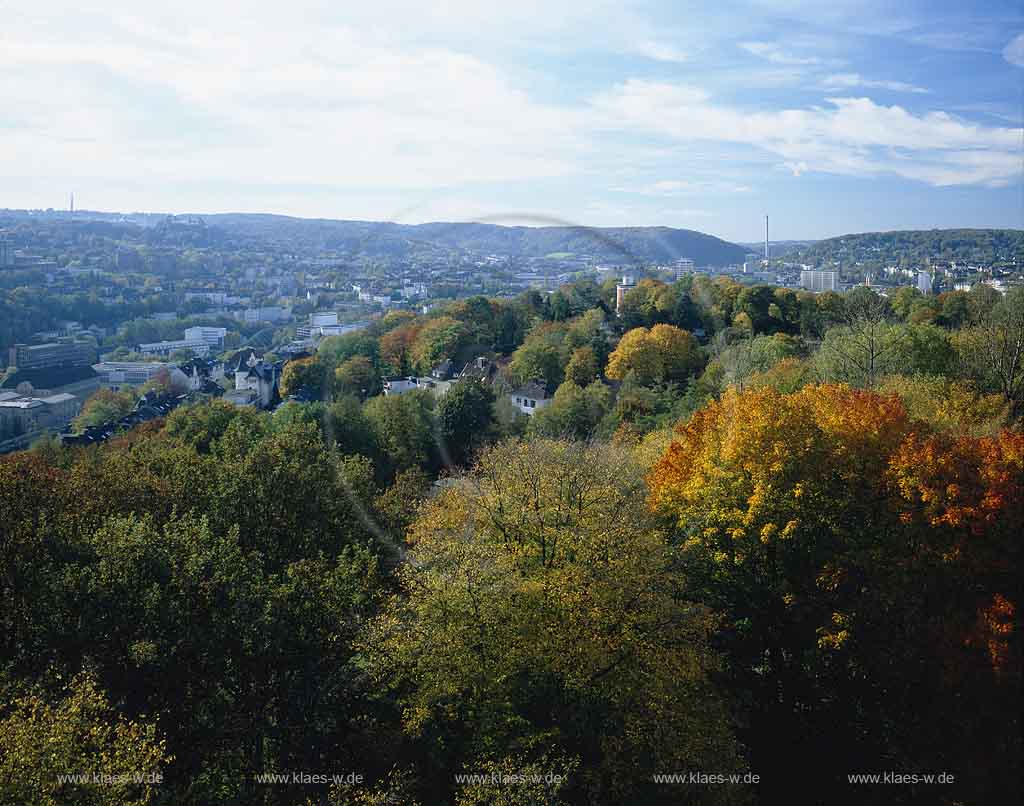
851	136
659	51
678	187
844	80
775	54
321	100
274	102
1014	51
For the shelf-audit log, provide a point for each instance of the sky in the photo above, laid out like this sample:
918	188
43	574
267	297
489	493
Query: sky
829	117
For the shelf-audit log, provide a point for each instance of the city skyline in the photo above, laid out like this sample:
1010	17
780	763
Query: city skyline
858	117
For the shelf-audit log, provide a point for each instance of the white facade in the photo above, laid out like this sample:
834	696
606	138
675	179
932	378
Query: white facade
267	314
924	282
816	280
398	386
530	398
213	336
684	266
325	319
121	374
200	348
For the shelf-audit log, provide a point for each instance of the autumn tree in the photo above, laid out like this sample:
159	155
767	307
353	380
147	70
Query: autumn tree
542	355
104	406
396	348
574	412
438	339
357	376
850	548
543	616
404	428
582	368
663	353
310	374
104	759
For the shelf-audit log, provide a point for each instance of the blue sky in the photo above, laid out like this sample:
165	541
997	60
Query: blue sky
830	117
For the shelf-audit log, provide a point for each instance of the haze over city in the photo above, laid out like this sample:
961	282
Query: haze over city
837	117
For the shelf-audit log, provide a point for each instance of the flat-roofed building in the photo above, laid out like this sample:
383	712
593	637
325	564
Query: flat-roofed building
213	336
819	280
63	353
118	375
165	348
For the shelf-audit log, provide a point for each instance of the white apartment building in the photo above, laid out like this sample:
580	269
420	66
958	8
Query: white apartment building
818	280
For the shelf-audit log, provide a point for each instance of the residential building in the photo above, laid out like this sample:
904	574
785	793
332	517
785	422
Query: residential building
627	284
63	353
925	282
481	368
530	396
260	379
684	266
6	253
819	280
202	375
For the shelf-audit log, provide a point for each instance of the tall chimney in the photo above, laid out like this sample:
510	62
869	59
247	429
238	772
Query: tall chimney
766	239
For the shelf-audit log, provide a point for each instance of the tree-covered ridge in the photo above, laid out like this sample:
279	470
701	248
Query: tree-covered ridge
384	238
755	531
646	244
916	248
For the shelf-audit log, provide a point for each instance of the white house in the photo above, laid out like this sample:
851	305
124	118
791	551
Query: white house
259	379
530	396
398	386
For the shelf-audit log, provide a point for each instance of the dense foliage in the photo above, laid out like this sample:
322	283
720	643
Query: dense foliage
785	548
913	248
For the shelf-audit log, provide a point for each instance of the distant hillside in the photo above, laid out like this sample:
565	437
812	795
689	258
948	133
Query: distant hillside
914	247
618	244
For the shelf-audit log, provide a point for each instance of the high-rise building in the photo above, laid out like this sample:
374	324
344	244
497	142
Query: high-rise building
628	282
684	266
925	282
816	280
6	253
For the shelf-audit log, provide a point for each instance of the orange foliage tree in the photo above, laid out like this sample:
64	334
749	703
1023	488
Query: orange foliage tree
866	567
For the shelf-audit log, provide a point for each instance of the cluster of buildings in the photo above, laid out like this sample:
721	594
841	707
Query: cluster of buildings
528	398
199	340
24	416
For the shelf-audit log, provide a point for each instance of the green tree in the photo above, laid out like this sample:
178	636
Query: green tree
357	376
437	340
465	416
582	368
104	406
550	589
405	429
118	762
310	374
